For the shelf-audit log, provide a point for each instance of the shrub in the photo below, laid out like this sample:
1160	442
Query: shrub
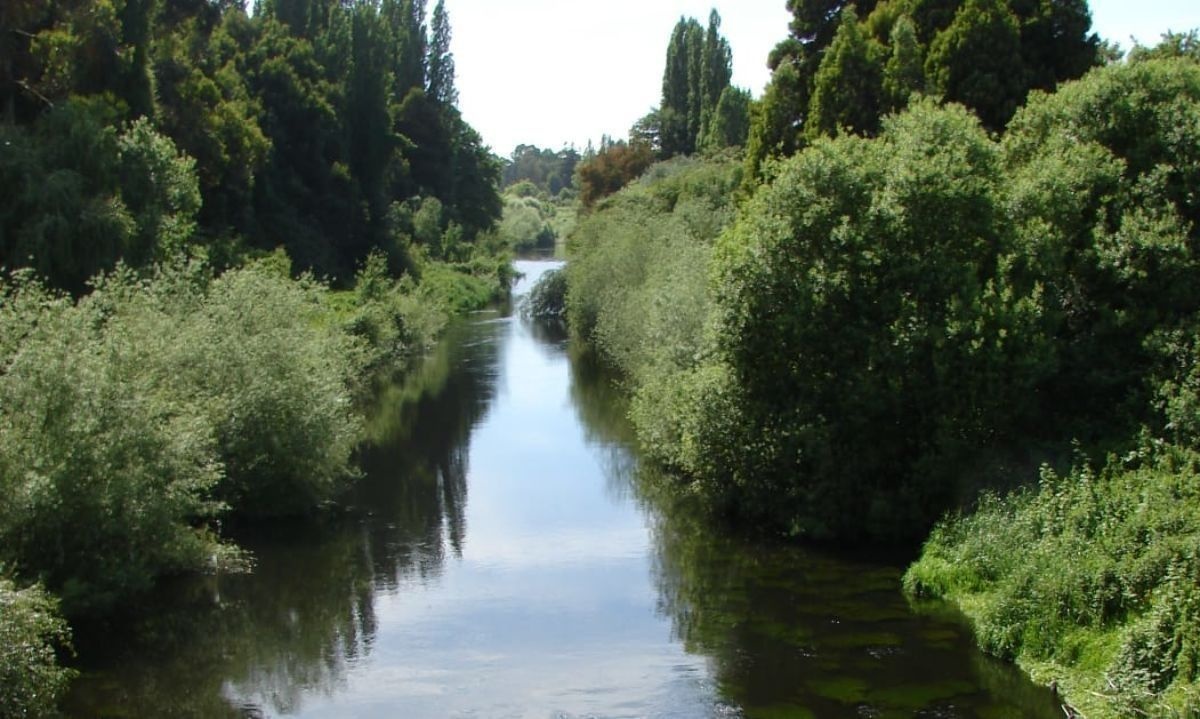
133	416
101	469
30	634
1091	580
866	308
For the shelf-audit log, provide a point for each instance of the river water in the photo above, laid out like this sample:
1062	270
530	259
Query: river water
505	556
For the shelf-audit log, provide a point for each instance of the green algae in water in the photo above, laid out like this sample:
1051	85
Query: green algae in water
781	711
862	640
920	696
847	690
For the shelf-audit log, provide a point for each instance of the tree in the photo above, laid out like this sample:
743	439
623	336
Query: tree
441	60
847	87
977	61
874	339
730	122
716	72
674	112
903	74
610	170
774	123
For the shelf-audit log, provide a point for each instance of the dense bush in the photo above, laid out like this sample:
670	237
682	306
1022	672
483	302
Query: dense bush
1091	580
526	220
872	329
396	324
102	467
30	634
892	322
1103	187
138	412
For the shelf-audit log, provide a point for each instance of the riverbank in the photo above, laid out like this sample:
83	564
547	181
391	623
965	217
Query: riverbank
889	328
139	416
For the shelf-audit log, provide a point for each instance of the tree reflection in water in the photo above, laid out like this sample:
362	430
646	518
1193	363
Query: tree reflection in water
254	644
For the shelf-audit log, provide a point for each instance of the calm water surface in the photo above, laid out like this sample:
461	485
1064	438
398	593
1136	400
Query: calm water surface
503	557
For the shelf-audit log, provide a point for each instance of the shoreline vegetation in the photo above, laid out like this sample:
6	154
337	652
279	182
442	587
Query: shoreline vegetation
935	321
937	284
219	232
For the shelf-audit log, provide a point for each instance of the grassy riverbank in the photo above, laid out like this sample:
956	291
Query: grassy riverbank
889	328
1090	580
134	418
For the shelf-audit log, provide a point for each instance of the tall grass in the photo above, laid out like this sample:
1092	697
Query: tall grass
1091	580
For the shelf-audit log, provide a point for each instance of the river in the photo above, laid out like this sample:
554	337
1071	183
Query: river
505	556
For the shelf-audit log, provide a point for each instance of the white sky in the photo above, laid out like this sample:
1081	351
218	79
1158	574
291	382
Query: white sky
553	72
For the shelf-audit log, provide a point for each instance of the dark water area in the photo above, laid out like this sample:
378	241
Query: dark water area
506	556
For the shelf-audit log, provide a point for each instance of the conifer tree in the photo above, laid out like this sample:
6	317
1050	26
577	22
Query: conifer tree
903	73
977	61
441	60
847	85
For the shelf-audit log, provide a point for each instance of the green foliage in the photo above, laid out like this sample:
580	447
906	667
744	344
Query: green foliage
88	194
524	224
391	317
306	122
865	293
102	466
637	290
1172	44
698	70
1104	189
1090	580
730	124
834	73
550	171
548	298
847	90
904	73
977	61
30	633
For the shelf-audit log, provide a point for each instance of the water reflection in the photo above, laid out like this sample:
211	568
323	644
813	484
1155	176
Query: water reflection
506	556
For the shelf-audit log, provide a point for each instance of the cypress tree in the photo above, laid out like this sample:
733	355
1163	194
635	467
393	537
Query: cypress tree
441	60
718	69
903	74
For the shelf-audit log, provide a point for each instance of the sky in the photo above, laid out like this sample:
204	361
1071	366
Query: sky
557	72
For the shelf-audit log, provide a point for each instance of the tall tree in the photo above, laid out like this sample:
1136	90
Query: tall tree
730	122
406	22
698	69
717	71
441	60
675	108
977	61
847	88
903	74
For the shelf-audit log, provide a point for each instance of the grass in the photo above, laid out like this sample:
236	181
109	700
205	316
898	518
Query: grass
1091	580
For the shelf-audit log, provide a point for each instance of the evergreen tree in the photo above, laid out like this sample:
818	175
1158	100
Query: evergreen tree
676	90
730	123
977	61
406	22
847	86
718	69
441	60
698	69
903	74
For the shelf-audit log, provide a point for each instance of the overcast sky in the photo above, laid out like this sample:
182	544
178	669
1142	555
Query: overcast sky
553	72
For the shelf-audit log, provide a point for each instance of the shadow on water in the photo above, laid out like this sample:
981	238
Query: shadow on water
683	620
306	615
793	631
